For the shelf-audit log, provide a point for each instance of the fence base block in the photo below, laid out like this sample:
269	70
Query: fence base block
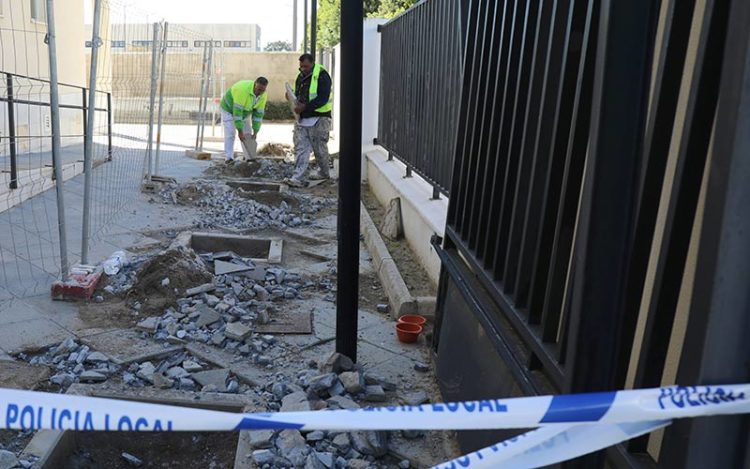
80	286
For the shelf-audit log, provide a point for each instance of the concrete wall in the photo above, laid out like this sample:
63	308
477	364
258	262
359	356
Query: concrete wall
278	67
23	52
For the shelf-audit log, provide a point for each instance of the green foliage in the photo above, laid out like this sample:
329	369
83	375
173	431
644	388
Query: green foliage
278	111
279	46
329	16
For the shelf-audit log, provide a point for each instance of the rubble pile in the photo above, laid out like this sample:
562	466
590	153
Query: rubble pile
224	207
224	312
74	363
334	385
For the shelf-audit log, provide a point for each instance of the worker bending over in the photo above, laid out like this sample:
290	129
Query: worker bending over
244	99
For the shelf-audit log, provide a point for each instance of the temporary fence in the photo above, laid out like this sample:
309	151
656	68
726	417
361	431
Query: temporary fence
151	86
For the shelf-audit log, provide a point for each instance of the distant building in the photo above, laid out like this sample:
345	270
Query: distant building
185	37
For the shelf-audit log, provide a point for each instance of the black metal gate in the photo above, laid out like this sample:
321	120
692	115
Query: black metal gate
579	254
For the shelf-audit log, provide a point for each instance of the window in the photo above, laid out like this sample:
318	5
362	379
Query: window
142	43
203	43
88	44
237	44
39	10
117	44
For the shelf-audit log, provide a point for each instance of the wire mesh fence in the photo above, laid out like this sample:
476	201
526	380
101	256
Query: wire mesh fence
142	72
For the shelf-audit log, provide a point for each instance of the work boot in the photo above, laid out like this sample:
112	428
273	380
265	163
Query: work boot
293	182
319	177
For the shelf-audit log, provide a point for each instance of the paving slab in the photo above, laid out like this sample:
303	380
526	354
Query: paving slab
126	346
31	335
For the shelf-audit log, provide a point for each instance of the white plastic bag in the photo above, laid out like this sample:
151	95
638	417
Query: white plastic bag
114	263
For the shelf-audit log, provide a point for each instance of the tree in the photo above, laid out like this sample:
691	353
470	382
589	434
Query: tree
278	46
391	8
329	16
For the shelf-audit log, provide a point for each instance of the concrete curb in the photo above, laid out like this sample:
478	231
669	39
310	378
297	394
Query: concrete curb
401	301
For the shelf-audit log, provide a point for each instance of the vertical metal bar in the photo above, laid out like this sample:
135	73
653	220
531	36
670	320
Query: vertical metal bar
12	133
88	147
209	75
162	75
349	181
602	250
55	122
715	348
200	99
152	102
85	123
109	126
683	200
313	26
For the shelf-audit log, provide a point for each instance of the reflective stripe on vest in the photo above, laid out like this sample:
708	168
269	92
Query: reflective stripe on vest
314	90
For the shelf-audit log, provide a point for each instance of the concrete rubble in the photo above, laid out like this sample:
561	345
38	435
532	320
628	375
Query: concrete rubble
212	305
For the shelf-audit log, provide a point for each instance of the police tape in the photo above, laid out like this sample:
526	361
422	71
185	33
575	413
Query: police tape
551	445
604	418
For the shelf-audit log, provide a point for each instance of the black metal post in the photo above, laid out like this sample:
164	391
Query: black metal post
12	134
435	192
349	180
313	26
85	120
408	172
109	126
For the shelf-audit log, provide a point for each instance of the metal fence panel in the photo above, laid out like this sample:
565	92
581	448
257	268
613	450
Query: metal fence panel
420	89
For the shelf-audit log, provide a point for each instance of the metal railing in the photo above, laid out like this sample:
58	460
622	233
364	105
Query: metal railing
20	95
420	89
578	253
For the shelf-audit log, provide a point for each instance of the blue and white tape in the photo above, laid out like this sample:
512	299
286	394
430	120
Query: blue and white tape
594	420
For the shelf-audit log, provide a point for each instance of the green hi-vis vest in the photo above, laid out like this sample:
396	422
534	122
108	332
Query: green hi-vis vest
328	107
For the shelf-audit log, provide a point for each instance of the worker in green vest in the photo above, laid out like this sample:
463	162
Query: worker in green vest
244	99
314	92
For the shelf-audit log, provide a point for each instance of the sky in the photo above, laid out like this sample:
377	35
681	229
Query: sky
273	16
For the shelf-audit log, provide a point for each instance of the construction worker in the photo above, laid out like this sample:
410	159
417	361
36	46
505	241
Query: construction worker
243	99
313	90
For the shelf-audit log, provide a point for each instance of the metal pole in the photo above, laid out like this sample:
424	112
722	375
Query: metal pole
54	99
200	99
109	126
152	102
162	72
294	26
304	21
88	147
313	25
209	74
347	303
85	125
12	133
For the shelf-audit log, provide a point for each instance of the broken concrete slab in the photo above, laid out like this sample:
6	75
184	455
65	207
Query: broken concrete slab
126	346
207	316
244	370
295	402
205	288
216	378
237	331
392	226
92	377
225	268
149	324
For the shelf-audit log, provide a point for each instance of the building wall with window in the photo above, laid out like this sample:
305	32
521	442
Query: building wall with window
186	37
22	48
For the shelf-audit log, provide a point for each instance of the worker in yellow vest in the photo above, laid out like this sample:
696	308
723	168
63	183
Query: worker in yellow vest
314	92
244	99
